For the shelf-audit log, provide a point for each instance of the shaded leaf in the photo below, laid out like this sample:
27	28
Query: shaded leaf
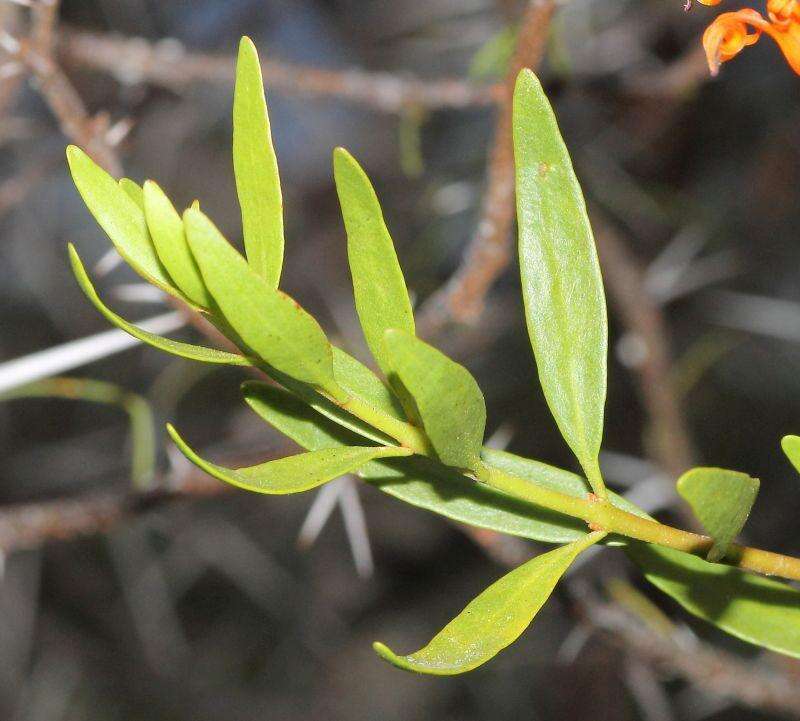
119	216
134	191
493	620
565	307
791	447
178	348
295	473
360	382
448	398
169	238
381	296
750	607
256	168
270	323
721	500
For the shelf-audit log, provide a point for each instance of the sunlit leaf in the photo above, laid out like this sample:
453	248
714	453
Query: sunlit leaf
381	296
721	500
448	398
175	347
791	447
273	325
134	191
750	607
119	216
360	382
169	238
256	169
493	620
565	307
295	473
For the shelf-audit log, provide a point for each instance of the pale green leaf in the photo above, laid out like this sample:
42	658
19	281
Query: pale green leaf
184	350
120	217
256	168
360	382
169	238
750	607
270	323
448	398
134	191
791	447
493	620
295	473
721	500
381	296
565	307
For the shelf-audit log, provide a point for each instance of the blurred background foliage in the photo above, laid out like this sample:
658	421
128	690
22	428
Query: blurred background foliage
205	608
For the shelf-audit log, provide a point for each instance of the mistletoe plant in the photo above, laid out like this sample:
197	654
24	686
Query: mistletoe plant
415	430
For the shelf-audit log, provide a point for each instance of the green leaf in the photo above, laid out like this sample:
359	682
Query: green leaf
120	217
273	325
493	620
134	191
295	473
381	296
178	348
721	500
169	238
448	398
422	482
360	382
791	447
750	607
565	307
258	184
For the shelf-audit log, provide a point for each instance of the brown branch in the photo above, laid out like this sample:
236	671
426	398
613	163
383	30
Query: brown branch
168	64
489	250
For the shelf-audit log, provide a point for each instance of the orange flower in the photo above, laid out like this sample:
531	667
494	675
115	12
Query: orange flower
730	33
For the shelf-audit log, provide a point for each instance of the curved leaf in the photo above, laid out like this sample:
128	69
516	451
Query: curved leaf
175	347
495	619
360	382
721	500
119	216
271	324
750	607
134	191
565	308
295	473
381	296
448	398
169	238
791	447
255	166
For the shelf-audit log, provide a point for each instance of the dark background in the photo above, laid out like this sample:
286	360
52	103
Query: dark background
206	608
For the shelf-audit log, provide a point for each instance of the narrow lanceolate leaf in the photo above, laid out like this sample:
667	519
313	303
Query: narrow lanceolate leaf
495	619
169	238
791	447
565	307
721	500
422	482
360	382
119	216
273	325
178	348
293	474
448	398
134	191
750	607
256	168
381	296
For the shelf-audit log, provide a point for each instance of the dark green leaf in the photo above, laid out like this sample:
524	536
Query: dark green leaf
256	168
184	350
565	307
721	500
750	607
273	325
381	296
169	238
119	216
495	619
448	398
293	474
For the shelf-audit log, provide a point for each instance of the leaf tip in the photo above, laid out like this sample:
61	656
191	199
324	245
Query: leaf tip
387	654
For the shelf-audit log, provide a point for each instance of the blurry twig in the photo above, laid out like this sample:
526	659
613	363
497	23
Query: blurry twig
168	64
488	252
